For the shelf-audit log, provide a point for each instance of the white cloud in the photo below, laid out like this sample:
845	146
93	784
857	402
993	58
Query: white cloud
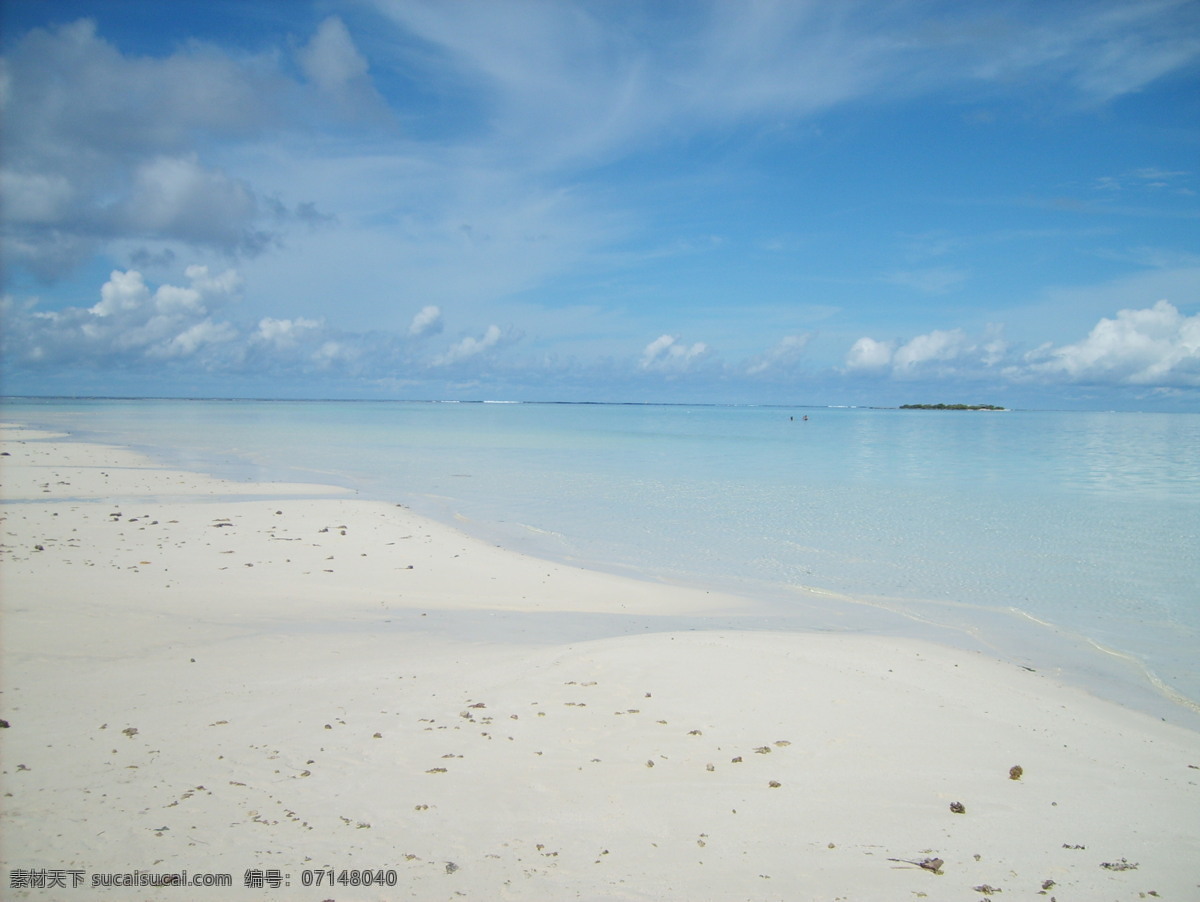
130	321
470	347
35	198
101	146
1149	346
1175	181
782	356
227	283
135	325
869	354
333	63
1155	175
125	295
123	292
567	86
938	345
950	349
1155	346
330	59
334	353
427	321
177	197
666	354
193	338
995	350
286	333
1104	50
490	191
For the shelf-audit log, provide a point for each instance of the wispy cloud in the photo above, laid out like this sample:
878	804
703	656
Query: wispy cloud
1149	178
102	146
470	346
783	357
1107	50
559	78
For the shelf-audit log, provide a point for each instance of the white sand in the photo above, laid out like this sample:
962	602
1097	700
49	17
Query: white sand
213	677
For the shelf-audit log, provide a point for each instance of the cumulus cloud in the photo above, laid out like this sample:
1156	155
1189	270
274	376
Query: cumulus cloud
195	337
101	146
128	323
869	354
666	354
1157	345
126	298
428	321
176	197
135	325
943	350
938	345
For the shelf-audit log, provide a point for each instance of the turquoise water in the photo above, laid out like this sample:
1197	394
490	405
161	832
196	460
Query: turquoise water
1060	539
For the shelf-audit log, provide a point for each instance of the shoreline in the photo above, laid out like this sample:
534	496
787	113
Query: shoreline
1001	607
216	676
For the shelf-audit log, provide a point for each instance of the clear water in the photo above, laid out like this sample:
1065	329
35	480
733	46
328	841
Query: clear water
1062	539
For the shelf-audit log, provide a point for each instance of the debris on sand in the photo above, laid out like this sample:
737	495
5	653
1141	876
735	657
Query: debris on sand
926	864
1121	865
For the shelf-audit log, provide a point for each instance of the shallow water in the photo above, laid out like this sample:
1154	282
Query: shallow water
1038	535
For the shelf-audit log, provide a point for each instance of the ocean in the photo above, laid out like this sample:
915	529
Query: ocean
1063	541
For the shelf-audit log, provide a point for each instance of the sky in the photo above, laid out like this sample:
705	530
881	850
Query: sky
863	202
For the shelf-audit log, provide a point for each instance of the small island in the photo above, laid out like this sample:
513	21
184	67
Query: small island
951	407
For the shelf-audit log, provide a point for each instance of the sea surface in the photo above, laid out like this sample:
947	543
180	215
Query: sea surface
1064	541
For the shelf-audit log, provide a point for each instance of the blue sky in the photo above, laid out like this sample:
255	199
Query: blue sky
755	202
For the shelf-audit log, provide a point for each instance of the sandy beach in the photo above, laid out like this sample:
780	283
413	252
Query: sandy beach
279	681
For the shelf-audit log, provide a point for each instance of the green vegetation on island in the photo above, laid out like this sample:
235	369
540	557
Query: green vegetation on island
951	407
